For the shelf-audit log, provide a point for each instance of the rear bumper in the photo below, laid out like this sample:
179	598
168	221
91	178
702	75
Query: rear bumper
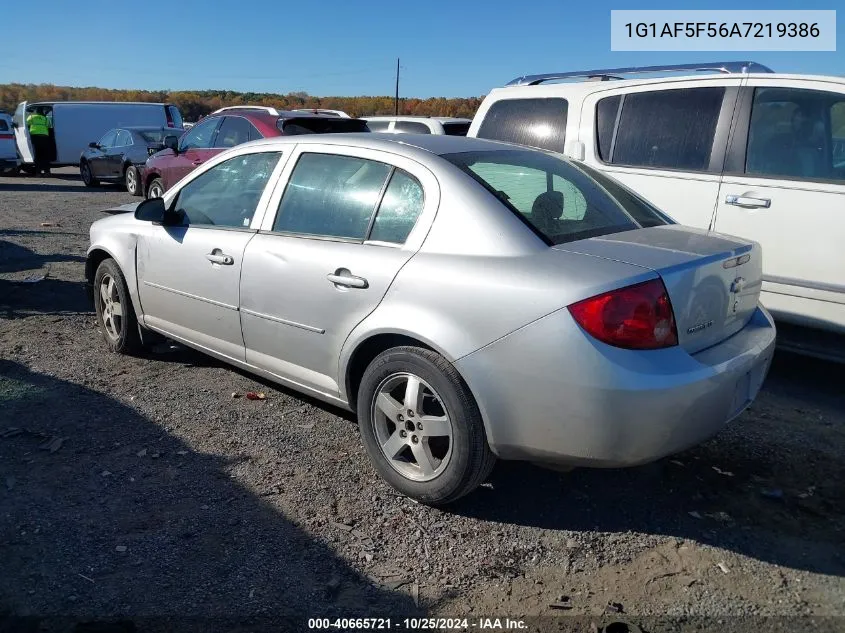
551	393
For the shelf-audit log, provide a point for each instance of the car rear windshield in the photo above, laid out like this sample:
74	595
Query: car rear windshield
321	125
157	136
558	201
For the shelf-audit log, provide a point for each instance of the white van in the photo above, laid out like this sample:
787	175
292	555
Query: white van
8	150
75	124
730	146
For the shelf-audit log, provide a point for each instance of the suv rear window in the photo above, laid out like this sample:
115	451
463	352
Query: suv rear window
558	201
320	125
671	129
533	122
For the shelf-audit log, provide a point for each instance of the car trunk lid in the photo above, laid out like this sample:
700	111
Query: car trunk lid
713	280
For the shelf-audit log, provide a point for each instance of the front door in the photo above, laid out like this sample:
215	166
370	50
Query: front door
194	149
188	273
328	257
22	138
98	158
784	187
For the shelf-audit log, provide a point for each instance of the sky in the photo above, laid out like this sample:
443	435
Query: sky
343	48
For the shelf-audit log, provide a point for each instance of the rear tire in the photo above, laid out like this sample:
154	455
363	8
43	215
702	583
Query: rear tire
132	180
427	441
115	314
156	189
87	176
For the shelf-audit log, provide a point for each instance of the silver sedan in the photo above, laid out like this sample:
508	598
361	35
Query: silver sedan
468	299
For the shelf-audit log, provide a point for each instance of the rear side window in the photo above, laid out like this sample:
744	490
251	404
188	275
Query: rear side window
559	202
607	112
533	122
411	127
399	209
233	131
671	129
175	116
331	196
798	134
456	129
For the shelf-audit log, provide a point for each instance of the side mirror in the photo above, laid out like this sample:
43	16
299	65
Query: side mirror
93	145
151	210
172	142
14	124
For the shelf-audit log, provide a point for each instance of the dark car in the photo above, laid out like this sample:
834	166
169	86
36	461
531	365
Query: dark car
226	128
119	156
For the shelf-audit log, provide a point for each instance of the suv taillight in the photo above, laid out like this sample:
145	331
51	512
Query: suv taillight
635	317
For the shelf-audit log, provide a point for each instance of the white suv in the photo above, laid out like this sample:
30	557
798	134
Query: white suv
736	149
418	125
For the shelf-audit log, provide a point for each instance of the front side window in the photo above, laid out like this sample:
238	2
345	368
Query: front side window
123	139
533	122
671	129
331	196
399	209
798	134
558	201
200	135
233	131
411	127
108	139
227	194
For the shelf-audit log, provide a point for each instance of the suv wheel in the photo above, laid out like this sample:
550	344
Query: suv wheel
421	426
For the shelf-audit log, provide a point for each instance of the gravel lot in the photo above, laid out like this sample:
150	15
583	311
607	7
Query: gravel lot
140	487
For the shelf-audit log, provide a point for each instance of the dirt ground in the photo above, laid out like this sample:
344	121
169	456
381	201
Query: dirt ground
141	488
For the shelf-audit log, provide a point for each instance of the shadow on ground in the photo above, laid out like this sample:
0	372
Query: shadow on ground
173	534
750	490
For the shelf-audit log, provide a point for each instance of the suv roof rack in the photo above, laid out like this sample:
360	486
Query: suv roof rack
337	113
613	73
268	110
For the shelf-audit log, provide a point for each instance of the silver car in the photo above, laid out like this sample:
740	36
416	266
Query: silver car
468	299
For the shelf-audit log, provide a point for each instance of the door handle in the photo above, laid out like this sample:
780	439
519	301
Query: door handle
198	162
347	280
748	202
220	258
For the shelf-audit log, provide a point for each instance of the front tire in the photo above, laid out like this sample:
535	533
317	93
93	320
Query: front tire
115	314
132	180
421	426
87	175
156	189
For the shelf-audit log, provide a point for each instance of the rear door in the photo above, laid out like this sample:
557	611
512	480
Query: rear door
784	187
22	139
667	144
115	156
345	223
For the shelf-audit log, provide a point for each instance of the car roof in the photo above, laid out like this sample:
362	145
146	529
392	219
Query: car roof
407	144
415	117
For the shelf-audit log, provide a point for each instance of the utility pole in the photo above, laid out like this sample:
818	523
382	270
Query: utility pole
396	98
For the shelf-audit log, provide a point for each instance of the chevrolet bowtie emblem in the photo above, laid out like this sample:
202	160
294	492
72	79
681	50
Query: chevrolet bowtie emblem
737	285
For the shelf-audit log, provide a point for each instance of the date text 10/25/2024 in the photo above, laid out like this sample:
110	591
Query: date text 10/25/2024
416	624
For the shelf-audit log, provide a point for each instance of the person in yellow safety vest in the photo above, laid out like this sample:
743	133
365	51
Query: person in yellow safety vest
39	131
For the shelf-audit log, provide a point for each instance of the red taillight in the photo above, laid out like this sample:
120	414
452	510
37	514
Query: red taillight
636	317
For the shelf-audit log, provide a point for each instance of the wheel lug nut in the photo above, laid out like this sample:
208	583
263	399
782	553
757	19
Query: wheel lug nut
399	417
410	413
419	426
415	439
403	434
